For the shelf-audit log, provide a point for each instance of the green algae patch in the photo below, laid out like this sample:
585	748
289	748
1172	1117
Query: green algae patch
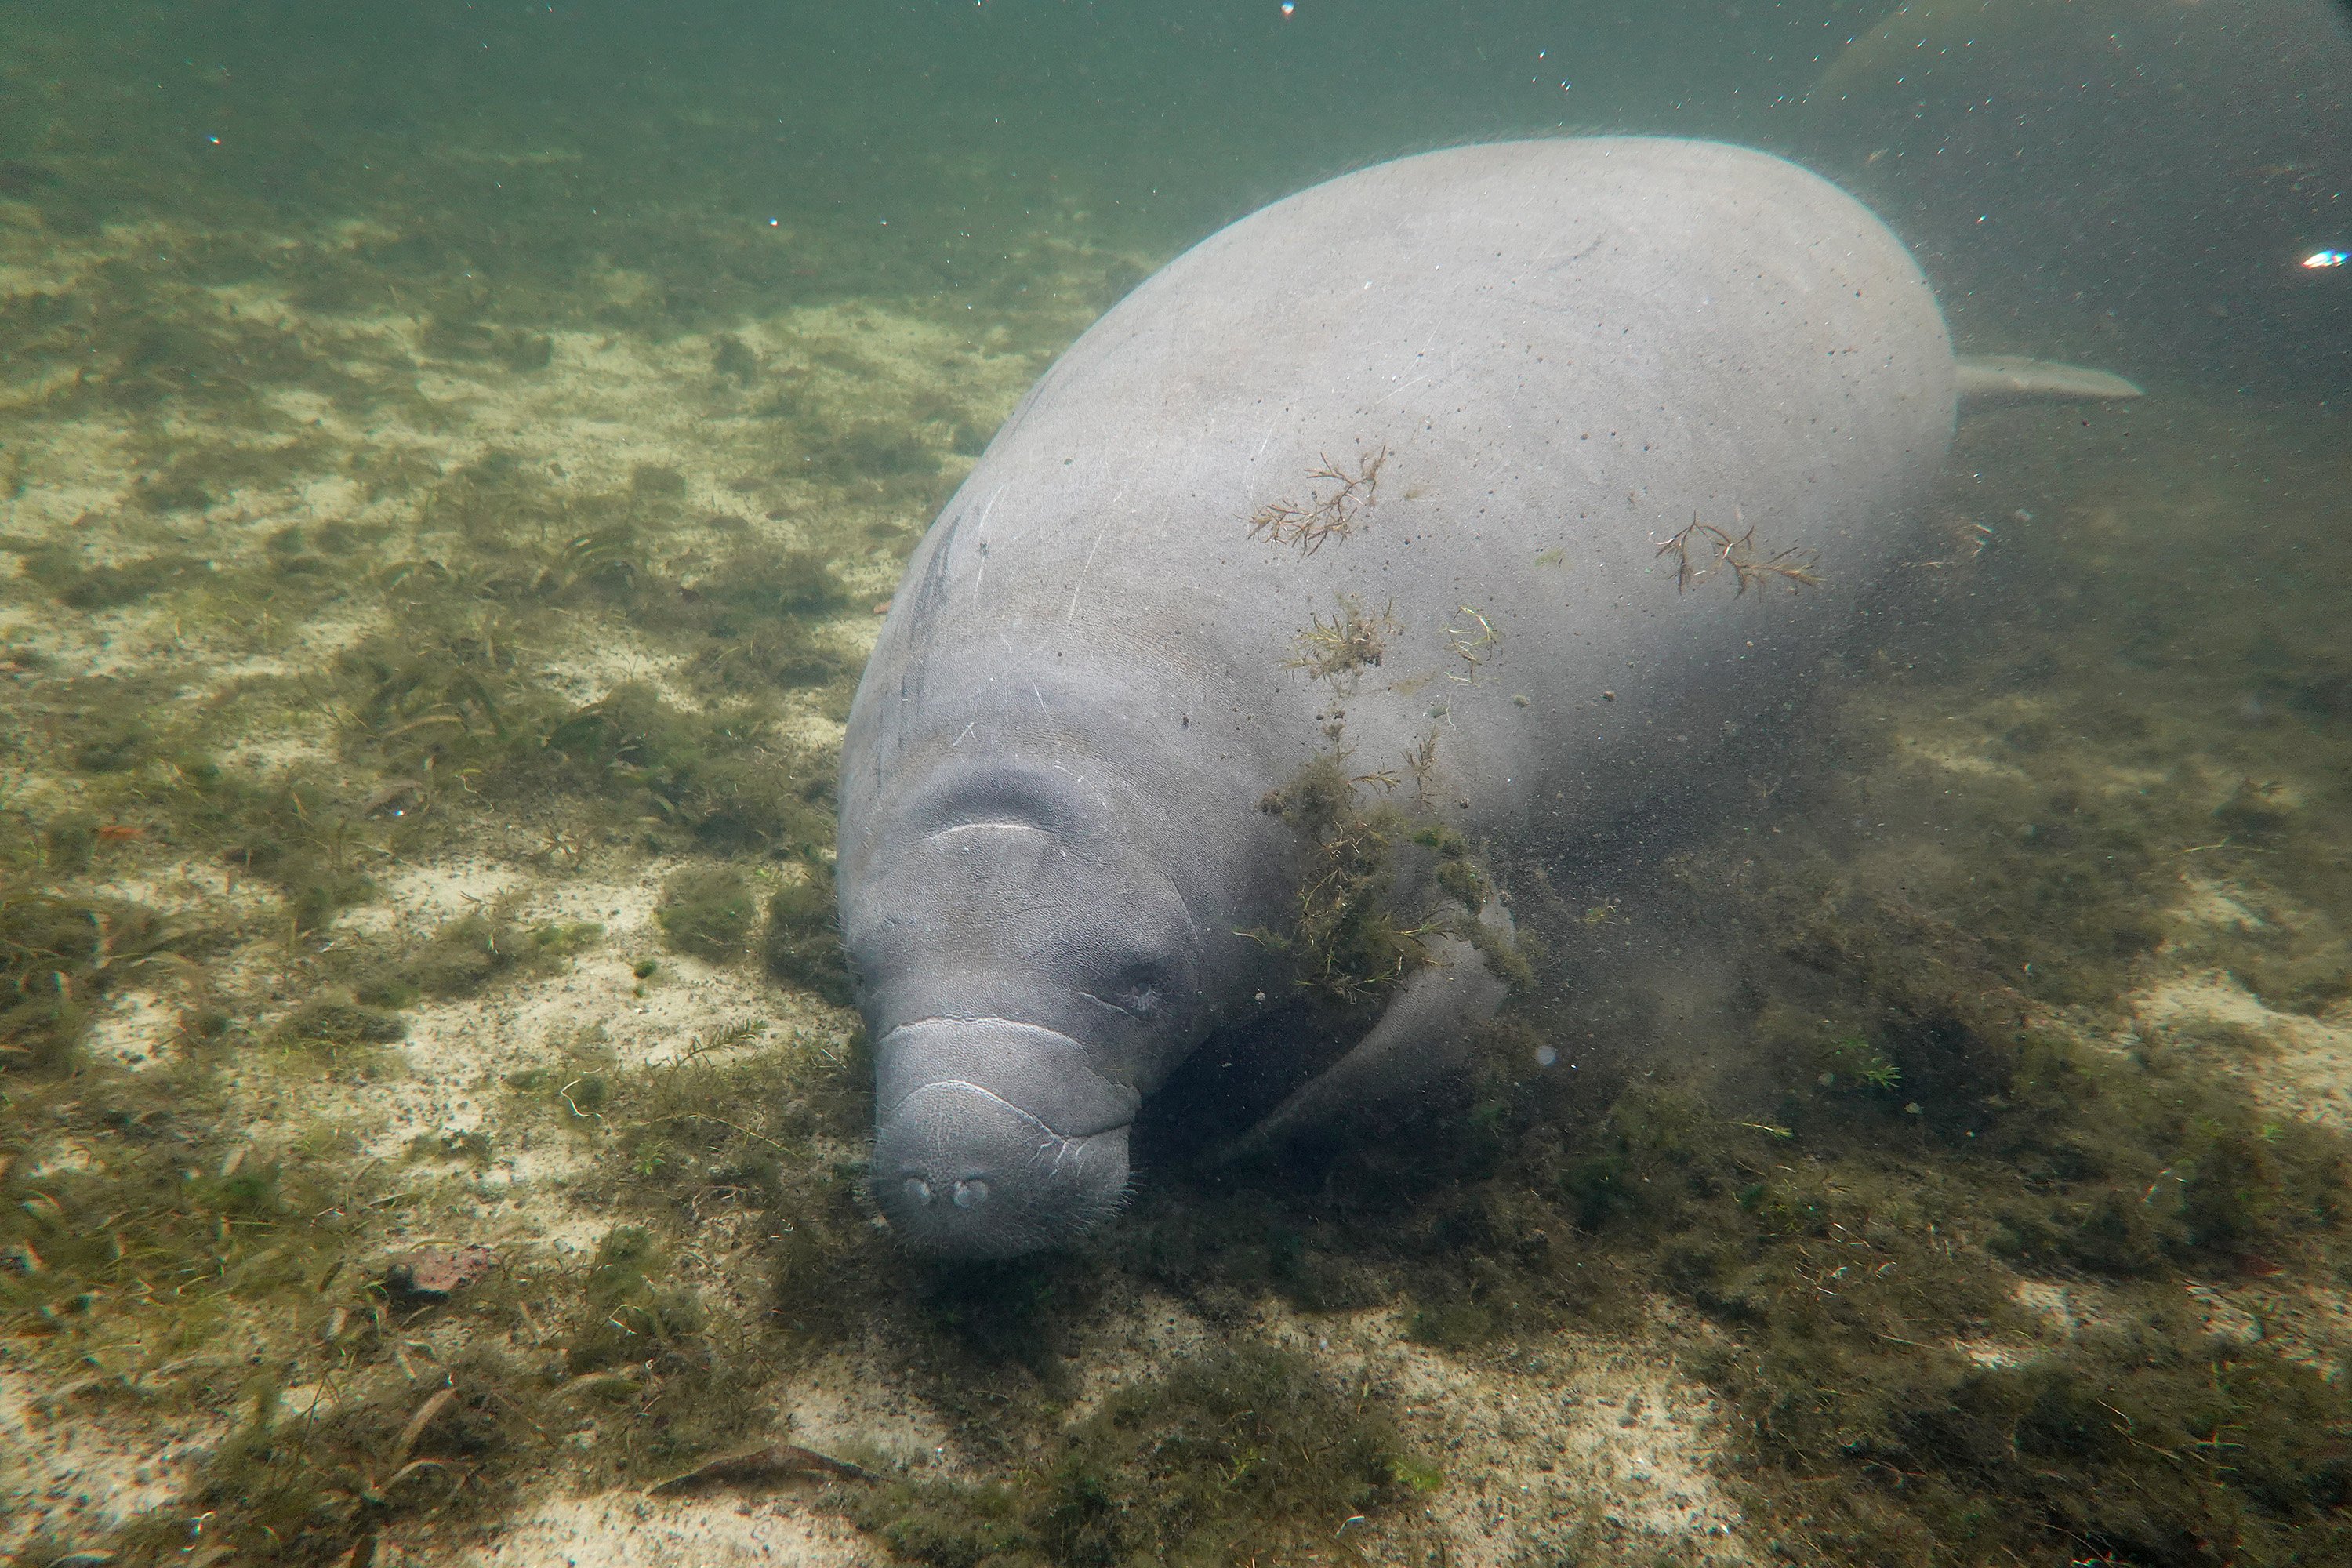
1859	1245
329	1022
171	1271
626	1314
802	943
743	1129
1865	1202
709	911
470	955
1229	1456
324	1483
109	587
1347	937
712	774
1364	863
59	954
183	1269
149	1208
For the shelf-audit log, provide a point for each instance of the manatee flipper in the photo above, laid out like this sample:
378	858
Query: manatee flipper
1989	380
1421	1034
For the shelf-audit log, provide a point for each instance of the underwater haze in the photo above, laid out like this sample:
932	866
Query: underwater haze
456	460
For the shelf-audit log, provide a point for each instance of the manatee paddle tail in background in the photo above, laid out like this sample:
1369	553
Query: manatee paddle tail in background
1987	379
1457	505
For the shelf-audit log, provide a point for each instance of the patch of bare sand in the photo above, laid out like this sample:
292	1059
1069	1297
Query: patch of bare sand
1586	1441
2299	1066
77	1460
593	1014
1578	1443
629	1530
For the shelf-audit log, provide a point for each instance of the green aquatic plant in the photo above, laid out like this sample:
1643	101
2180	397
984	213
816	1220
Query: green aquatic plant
1853	1060
295	831
872	450
742	1125
1859	1256
756	612
1348	938
707	911
59	955
1852	1267
470	953
1237	1453
1350	642
326	1482
716	775
375	1411
1364	860
802	940
328	1023
626	1314
111	586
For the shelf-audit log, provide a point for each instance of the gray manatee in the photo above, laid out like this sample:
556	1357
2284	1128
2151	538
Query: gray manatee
1503	480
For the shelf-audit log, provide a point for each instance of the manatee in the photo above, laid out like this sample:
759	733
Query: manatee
1986	379
1450	510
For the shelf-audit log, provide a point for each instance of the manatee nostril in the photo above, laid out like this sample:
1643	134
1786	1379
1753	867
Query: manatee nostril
959	1172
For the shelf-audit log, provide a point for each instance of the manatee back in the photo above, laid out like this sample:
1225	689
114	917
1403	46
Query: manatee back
1559	356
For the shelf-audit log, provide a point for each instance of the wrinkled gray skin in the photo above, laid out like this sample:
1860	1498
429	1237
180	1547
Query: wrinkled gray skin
1051	832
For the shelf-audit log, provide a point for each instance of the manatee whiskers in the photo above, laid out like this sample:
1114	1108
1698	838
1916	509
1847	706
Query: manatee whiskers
1014	1227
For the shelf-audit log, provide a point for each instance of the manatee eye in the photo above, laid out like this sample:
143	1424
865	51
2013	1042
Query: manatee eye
1136	988
1138	976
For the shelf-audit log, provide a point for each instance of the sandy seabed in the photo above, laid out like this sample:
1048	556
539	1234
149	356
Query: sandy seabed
228	511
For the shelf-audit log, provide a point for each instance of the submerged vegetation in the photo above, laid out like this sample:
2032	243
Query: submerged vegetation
1981	1272
1986	1259
1351	936
1350	643
429	605
1231	1454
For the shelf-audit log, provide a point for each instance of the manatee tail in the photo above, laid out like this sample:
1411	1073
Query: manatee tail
1987	380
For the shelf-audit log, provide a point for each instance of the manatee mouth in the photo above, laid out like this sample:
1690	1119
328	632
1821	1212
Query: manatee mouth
995	1138
962	1174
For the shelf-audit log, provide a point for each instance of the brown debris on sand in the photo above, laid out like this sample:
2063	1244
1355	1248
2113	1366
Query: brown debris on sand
771	1462
437	1273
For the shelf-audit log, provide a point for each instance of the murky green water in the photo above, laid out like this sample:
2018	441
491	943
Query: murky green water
452	462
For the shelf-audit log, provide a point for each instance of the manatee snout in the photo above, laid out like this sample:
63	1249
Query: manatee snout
995	1138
